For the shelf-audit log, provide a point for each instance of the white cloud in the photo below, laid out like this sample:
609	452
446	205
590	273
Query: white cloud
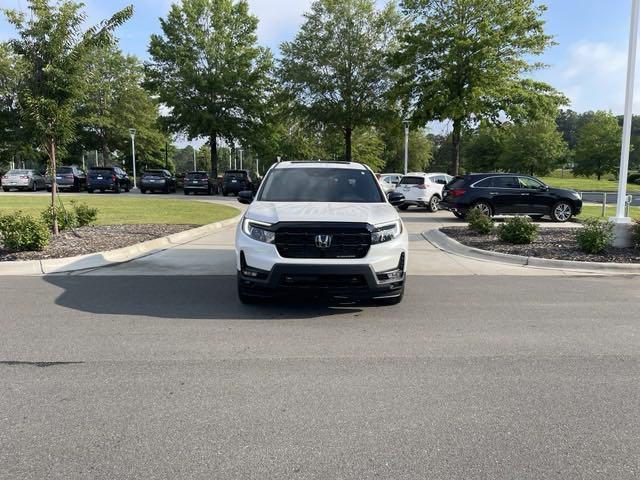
593	76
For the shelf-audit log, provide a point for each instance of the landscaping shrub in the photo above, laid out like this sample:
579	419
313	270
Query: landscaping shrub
85	215
636	234
634	178
595	235
518	230
479	222
66	218
22	232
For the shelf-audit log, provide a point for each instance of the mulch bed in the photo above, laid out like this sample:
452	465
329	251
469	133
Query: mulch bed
554	243
95	239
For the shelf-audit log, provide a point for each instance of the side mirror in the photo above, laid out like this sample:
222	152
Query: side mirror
544	188
246	197
396	199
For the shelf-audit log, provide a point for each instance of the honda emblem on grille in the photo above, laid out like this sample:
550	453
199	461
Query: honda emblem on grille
323	241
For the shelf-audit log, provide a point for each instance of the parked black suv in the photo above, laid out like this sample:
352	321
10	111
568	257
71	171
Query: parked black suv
195	182
158	180
509	194
236	181
108	178
69	177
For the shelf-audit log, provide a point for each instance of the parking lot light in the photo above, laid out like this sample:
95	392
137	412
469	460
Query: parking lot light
406	146
623	236
132	132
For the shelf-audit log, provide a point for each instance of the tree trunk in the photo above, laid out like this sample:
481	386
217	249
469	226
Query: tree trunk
455	150
347	144
213	142
54	184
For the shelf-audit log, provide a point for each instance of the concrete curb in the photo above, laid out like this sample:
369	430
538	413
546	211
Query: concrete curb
449	245
111	257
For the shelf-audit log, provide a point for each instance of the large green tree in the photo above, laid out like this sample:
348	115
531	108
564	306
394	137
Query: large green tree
598	146
464	61
209	71
53	50
483	148
535	148
336	67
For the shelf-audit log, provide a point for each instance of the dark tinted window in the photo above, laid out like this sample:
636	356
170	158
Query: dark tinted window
235	175
321	185
64	170
457	182
530	183
505	182
196	175
101	171
412	181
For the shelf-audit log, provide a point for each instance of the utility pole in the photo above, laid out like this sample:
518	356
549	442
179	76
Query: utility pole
166	154
241	159
132	132
623	236
195	168
406	146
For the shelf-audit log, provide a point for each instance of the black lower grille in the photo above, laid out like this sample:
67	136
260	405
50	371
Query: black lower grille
323	281
311	241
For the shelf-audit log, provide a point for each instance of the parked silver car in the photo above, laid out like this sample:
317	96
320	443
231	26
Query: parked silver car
23	179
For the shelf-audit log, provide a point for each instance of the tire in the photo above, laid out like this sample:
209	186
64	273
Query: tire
48	189
89	190
210	191
248	299
224	194
166	190
127	188
458	215
186	192
485	208
433	204
403	207
117	189
390	301
143	191
6	189
34	187
561	212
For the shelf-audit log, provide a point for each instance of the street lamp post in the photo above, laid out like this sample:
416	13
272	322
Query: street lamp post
195	168
241	158
406	146
623	236
132	132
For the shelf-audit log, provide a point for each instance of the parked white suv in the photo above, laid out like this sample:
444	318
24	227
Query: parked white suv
324	229
389	181
422	189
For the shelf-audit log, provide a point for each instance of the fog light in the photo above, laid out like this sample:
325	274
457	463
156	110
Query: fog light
249	273
390	276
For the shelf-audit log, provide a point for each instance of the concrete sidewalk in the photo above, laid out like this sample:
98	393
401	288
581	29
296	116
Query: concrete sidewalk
213	255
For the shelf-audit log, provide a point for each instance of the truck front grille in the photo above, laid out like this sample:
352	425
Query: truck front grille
349	241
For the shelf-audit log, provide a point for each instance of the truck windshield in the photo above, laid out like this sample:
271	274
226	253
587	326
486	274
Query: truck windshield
321	185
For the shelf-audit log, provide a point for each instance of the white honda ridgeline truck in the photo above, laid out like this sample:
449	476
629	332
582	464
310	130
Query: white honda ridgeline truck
323	229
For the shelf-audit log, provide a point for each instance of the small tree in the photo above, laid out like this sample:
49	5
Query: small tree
53	52
598	146
336	67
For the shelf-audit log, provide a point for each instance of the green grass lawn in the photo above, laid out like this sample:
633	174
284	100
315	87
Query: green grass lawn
126	210
596	211
587	184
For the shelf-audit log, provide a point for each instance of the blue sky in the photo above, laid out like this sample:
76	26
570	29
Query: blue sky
588	65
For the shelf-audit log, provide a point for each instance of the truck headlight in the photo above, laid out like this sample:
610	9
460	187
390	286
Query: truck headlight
386	232
258	231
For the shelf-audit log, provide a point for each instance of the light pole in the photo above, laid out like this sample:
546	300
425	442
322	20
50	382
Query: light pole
195	167
406	146
258	167
622	222
241	158
132	132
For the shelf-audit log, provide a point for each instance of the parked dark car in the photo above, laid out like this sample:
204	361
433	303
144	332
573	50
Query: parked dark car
509	194
107	178
195	182
69	178
236	181
159	180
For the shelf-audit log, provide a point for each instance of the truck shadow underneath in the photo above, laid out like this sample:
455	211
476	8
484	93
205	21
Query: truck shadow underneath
181	297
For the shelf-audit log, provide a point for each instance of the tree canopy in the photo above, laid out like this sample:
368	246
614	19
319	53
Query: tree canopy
466	61
598	146
336	70
209	71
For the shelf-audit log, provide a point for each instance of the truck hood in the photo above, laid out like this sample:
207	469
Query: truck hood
274	212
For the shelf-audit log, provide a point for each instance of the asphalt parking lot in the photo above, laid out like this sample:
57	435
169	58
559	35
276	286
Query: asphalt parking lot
136	371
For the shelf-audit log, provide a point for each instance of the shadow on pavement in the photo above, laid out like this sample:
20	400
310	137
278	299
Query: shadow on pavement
201	297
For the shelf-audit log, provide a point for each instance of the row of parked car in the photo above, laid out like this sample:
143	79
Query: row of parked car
116	179
491	193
